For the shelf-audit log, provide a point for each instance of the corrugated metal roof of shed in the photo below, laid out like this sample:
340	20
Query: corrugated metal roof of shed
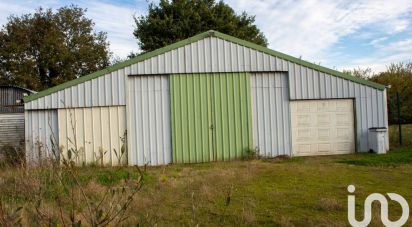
15	86
194	39
9	95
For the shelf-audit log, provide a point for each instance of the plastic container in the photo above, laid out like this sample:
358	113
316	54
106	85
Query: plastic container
377	140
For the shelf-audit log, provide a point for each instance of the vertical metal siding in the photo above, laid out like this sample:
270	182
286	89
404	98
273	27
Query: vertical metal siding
149	120
41	132
211	117
97	134
108	90
192	139
370	105
12	130
271	114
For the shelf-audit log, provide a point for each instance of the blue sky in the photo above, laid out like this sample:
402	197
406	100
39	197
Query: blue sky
340	34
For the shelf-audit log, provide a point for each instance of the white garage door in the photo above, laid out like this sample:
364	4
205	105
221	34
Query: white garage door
322	127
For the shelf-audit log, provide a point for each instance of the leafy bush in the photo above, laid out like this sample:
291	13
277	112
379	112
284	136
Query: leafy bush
11	156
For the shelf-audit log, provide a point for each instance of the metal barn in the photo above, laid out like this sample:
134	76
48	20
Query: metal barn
12	116
208	98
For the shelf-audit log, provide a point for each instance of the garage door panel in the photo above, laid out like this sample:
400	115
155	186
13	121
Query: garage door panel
322	106
343	106
322	127
324	134
344	147
304	107
323	119
303	120
344	134
324	147
303	135
304	148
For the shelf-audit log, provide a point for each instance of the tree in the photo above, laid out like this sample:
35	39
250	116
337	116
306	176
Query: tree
361	73
171	21
44	49
399	77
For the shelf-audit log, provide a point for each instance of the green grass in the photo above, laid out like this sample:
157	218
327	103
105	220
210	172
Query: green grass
394	135
309	191
392	158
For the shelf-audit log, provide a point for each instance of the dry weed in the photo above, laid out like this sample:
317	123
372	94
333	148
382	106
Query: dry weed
330	204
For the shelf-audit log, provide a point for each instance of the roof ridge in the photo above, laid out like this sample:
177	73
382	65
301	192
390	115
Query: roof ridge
299	61
116	66
20	87
209	33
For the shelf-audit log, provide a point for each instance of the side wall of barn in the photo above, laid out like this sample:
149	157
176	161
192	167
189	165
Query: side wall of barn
11	130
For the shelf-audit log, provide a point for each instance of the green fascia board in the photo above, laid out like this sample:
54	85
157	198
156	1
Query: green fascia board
192	40
298	60
117	66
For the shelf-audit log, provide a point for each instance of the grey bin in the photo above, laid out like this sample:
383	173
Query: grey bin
377	140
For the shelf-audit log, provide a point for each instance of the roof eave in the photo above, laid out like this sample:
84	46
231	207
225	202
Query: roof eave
189	41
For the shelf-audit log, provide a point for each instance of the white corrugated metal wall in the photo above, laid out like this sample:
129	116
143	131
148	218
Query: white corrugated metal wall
370	107
107	90
149	120
271	114
41	133
94	135
217	55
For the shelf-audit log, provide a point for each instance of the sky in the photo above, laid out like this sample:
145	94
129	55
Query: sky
339	34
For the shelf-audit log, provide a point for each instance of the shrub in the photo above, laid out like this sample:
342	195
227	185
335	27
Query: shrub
11	156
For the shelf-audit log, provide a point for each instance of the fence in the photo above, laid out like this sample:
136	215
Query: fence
400	118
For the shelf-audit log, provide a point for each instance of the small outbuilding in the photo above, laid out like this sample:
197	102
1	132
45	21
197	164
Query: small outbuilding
12	116
211	97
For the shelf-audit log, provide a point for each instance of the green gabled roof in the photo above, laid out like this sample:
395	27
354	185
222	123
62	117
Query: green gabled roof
192	40
300	61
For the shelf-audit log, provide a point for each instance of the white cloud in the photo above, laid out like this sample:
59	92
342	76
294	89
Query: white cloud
398	51
402	45
399	25
309	28
313	29
377	42
118	22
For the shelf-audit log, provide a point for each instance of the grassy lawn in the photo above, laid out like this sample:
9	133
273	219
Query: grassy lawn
308	191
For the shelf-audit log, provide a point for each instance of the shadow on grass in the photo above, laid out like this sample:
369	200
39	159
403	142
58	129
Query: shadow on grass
283	159
392	158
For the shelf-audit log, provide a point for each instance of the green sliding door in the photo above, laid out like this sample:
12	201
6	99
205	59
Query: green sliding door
210	116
